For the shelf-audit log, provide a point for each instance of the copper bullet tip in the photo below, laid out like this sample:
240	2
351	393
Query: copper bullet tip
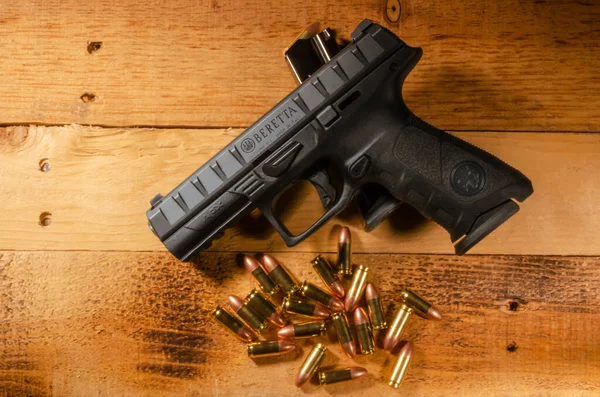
235	302
407	350
371	292
286	346
360	317
349	349
350	303
357	372
269	262
250	263
278	320
389	341
286	332
302	378
344	236
337	289
246	335
434	314
321	311
337	305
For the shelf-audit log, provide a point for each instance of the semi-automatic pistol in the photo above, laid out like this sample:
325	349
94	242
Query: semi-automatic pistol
347	130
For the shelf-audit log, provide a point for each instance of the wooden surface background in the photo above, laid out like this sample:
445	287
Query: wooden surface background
124	99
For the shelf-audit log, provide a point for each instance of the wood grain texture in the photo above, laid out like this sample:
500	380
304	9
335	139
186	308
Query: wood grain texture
510	65
102	179
92	305
139	324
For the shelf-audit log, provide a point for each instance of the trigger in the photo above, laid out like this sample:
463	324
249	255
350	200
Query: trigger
327	193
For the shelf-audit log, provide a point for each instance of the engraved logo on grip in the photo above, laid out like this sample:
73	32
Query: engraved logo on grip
273	125
467	178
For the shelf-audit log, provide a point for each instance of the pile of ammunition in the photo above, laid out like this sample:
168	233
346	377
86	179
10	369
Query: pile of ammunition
306	299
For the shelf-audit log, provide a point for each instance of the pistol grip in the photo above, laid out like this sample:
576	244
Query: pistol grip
461	187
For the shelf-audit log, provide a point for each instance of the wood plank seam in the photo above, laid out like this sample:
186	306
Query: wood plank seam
243	127
101	180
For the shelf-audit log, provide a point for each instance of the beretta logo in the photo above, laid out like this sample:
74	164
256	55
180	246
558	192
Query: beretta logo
278	121
247	145
273	125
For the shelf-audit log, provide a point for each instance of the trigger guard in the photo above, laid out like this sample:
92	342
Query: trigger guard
341	201
267	211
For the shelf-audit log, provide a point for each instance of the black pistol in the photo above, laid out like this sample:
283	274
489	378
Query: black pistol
345	129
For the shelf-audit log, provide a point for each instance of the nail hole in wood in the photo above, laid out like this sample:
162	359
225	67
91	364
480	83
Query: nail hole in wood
93	46
45	219
393	10
512	347
45	165
88	97
513	306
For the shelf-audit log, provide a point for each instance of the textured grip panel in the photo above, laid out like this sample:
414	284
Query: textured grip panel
454	183
421	152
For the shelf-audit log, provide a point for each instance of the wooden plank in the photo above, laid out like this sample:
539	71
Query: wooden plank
102	179
138	324
488	65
